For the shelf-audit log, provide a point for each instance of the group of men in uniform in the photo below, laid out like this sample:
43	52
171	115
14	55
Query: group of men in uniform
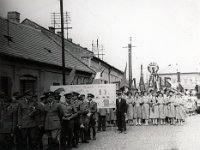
29	124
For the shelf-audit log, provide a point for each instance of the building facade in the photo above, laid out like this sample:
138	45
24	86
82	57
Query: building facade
188	79
31	60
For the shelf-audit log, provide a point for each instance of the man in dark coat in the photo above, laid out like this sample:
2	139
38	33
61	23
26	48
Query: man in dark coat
67	129
76	107
84	119
92	114
8	123
28	122
121	109
52	124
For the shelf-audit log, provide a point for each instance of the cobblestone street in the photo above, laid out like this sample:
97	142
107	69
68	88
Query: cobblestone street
165	137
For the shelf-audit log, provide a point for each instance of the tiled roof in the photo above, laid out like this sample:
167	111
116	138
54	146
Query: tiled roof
32	44
75	49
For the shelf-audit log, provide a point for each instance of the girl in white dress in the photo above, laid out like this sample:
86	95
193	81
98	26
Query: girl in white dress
172	114
145	107
161	108
154	113
130	101
137	109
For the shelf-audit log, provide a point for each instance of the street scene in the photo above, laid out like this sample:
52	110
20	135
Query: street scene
99	75
150	137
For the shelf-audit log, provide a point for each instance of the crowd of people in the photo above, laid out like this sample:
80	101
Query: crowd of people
56	121
155	107
29	124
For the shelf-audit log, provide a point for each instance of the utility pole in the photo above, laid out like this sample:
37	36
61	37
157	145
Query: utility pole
130	62
96	49
63	42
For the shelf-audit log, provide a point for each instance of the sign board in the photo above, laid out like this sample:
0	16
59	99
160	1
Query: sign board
105	94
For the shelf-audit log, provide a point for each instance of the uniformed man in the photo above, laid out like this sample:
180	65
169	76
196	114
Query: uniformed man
8	123
67	128
76	107
84	119
52	124
92	112
28	122
15	104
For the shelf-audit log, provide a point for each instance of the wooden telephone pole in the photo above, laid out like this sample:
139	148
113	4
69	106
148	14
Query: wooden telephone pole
63	42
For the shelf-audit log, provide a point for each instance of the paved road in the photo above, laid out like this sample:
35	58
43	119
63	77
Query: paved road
165	137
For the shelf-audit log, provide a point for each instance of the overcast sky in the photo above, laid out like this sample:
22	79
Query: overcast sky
164	31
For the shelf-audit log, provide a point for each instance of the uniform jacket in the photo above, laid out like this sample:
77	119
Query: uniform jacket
8	118
93	109
53	113
121	106
27	112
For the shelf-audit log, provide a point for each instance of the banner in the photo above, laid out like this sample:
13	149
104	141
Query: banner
104	94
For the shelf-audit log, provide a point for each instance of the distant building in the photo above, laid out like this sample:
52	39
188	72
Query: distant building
110	73
29	59
188	80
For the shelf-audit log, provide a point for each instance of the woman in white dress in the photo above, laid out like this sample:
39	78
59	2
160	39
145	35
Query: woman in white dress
145	107
180	110
172	114
137	109
161	108
154	113
130	101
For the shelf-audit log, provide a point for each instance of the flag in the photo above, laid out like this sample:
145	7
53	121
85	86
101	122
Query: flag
123	81
99	74
71	76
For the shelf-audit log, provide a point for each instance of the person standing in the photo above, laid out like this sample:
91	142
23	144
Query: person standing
145	108
121	110
161	108
172	114
102	112
52	113
8	123
129	102
28	123
154	113
138	108
92	115
84	119
76	107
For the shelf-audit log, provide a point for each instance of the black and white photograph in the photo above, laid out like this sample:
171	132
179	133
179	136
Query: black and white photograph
99	75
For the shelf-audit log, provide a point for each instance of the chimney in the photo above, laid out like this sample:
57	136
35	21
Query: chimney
14	16
52	29
59	33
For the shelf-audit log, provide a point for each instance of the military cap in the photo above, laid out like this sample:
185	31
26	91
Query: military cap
68	95
48	94
90	95
75	94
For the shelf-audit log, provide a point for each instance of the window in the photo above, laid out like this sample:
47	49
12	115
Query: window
55	83
28	82
5	85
